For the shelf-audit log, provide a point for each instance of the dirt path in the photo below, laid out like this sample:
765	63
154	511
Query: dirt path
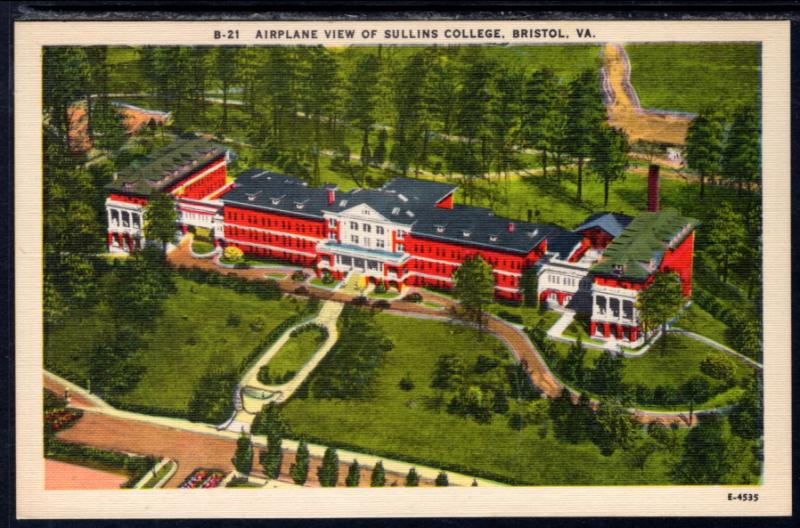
625	111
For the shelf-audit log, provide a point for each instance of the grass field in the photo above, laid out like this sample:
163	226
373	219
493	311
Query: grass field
192	332
296	352
697	320
201	247
688	77
680	362
394	422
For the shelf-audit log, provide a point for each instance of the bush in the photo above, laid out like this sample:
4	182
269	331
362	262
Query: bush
257	324
380	288
263	375
327	279
302	290
360	301
233	254
233	320
485	364
407	383
510	317
516	421
413	297
718	367
299	276
381	304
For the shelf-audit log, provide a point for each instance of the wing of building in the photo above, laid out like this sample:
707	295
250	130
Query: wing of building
407	233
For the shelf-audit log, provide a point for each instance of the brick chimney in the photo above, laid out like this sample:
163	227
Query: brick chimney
511	227
652	188
331	196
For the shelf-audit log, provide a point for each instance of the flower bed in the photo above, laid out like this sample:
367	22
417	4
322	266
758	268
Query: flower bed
61	419
203	479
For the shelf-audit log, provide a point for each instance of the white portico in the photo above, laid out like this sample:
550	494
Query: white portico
125	225
614	314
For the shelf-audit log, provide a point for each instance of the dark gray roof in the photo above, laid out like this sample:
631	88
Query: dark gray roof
419	190
611	223
563	244
270	191
476	226
166	166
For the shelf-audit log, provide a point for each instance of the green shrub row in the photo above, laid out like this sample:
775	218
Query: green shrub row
135	466
266	289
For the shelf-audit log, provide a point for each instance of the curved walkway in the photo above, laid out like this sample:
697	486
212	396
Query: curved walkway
517	341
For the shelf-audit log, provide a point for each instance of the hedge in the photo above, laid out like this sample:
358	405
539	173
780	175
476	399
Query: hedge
135	466
267	289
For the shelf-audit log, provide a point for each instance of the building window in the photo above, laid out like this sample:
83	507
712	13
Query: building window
400	247
627	310
380	244
366	227
400	235
354	239
354	226
332	236
366	241
614	304
600	302
379	230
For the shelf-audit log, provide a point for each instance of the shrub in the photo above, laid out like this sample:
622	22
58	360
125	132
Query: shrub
302	290
263	375
516	421
413	297
360	301
407	383
380	288
299	276
718	367
233	320
485	364
257	324
233	254
381	304
327	278
441	480
510	317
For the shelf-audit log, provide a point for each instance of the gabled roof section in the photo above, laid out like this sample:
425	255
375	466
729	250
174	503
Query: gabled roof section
637	252
395	207
419	191
611	223
562	245
166	166
270	191
477	226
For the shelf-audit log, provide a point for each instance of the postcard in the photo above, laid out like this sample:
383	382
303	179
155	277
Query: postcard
402	268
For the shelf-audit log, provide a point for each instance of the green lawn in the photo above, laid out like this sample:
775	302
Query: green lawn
316	281
393	422
392	294
191	333
697	320
688	77
530	316
202	247
296	352
161	473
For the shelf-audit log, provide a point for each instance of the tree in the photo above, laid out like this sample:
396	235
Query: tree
659	303
299	470
609	157
160	219
572	368
353	475
379	153
360	107
606	376
726	239
529	284
225	69
474	288
409	108
704	146
741	160
328	472
412	479
272	457
270	422
243	458
378	477
615	427
747	419
64	80
705	455
541	112
319	83
585	115
441	480
639	454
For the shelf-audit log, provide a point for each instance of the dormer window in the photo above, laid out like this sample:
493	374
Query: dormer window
396	211
402	198
299	205
467	234
618	269
493	238
342	203
410	214
440	229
